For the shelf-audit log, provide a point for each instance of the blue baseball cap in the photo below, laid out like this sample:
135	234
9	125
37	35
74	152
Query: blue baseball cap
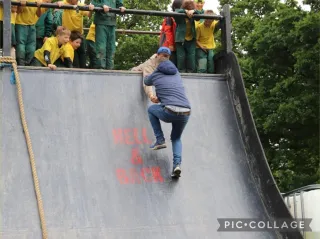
165	50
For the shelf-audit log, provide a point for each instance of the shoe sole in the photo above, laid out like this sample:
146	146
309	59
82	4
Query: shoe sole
159	147
176	174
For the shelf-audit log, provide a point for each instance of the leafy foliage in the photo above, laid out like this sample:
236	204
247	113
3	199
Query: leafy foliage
132	50
278	46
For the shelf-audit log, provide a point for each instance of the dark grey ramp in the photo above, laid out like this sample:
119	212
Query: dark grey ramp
73	118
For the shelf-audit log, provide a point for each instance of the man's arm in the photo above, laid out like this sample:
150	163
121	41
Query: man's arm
148	80
147	85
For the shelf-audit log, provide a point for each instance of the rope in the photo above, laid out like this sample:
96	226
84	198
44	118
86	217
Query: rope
29	145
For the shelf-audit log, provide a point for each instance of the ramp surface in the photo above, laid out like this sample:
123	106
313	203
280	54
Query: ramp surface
91	133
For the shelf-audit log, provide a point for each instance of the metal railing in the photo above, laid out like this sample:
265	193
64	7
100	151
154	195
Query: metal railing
224	18
117	10
299	193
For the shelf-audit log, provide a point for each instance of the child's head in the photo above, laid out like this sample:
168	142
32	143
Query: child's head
188	5
176	4
63	35
199	4
75	39
208	22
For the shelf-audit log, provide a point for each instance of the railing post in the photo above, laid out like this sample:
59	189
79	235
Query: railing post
226	29
7	28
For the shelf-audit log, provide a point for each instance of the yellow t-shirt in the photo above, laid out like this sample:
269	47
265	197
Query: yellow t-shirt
72	19
51	45
92	33
67	51
205	35
189	36
28	15
13	15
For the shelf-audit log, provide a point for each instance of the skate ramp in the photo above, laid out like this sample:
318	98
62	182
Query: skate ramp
98	178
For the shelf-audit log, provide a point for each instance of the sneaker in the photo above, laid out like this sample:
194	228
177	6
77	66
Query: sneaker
176	172
157	145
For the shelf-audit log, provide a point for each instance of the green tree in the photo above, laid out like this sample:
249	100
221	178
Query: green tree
315	4
279	56
132	50
243	15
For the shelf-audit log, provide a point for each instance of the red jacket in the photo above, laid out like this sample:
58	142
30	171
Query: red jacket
167	33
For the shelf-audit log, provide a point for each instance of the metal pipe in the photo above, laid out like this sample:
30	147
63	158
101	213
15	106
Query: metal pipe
295	205
7	28
288	203
226	29
124	31
117	10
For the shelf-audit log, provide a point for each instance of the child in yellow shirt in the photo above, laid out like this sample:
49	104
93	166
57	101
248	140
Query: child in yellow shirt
91	46
68	58
13	35
205	44
73	20
199	6
25	29
52	49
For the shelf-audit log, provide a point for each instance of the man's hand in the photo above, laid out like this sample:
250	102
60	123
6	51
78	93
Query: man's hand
154	99
105	8
52	67
122	9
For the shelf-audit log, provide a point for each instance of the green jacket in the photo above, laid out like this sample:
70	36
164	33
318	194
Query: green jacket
57	18
102	18
181	29
44	27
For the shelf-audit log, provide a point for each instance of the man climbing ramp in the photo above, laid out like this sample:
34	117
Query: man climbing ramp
174	106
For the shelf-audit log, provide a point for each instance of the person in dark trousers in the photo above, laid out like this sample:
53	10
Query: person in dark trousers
105	38
185	37
174	106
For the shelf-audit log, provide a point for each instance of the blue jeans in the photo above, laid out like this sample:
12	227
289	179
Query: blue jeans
157	113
